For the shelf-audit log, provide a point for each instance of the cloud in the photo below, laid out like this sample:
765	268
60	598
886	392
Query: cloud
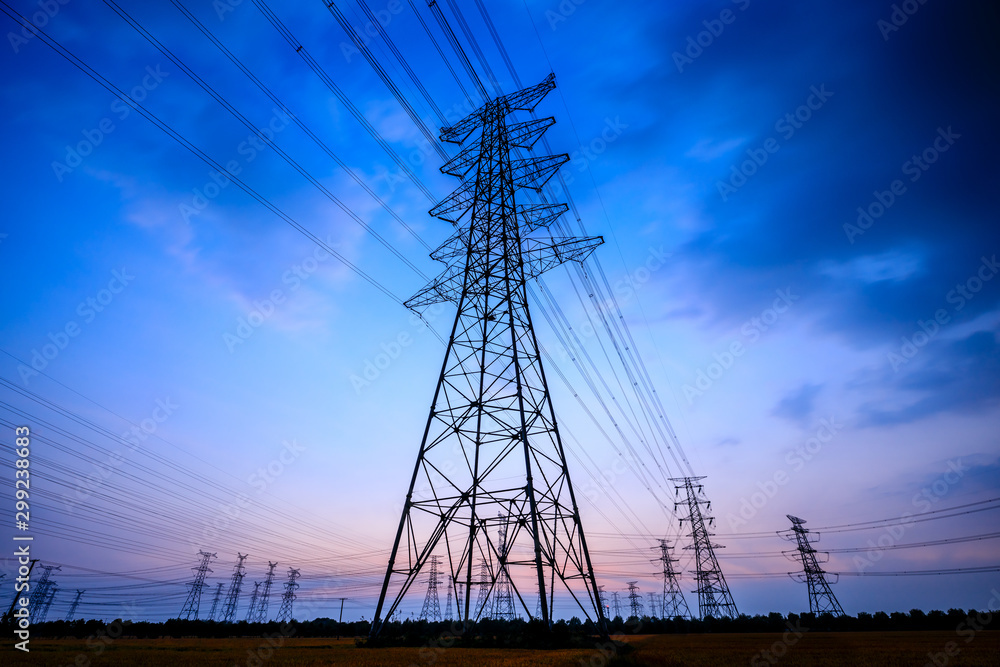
799	405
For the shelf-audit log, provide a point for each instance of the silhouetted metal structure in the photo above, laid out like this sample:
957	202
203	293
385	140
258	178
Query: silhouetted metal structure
253	601
260	613
50	595
491	442
193	601
821	597
39	597
215	601
503	594
673	603
616	605
233	594
634	600
431	610
288	597
714	598
73	605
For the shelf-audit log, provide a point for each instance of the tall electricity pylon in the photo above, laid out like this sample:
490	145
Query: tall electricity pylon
37	600
260	613
215	601
714	598
253	601
821	597
431	610
193	601
50	595
673	604
491	442
233	594
74	605
616	605
504	608
634	600
288	597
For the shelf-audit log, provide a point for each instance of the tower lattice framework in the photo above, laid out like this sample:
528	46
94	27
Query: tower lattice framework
215	601
714	598
673	604
491	443
431	610
233	594
821	597
285	611
193	601
39	598
260	612
73	606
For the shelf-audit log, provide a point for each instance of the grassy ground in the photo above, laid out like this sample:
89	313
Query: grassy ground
719	650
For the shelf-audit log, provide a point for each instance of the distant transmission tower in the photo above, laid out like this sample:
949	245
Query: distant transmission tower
253	602
431	610
492	402
821	597
616	604
288	597
50	595
194	595
215	602
485	581
603	598
233	594
447	605
260	613
634	600
74	605
674	603
714	598
40	595
503	594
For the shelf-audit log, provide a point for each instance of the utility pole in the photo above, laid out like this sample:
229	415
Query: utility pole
340	619
193	601
492	402
288	597
821	597
215	602
674	604
260	616
714	598
634	600
233	594
74	605
431	610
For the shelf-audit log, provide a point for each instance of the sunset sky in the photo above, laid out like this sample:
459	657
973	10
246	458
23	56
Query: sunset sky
799	209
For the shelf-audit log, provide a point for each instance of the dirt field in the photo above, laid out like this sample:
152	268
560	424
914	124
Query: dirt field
721	650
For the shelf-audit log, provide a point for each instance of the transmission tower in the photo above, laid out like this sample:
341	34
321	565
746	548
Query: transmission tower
431	610
447	605
37	600
215	602
50	595
674	603
233	594
194	595
253	602
503	596
288	597
492	403
73	605
714	598
616	604
603	598
634	600
260	613
485	580
821	597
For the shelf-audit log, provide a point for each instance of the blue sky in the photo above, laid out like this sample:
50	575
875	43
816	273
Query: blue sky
723	149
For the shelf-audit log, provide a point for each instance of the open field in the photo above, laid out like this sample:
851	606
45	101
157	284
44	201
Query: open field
715	650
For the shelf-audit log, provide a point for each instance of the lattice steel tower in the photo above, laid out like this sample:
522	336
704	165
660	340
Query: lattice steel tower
40	595
253	601
491	441
193	601
634	600
260	613
215	601
431	610
50	595
673	604
503	594
821	597
288	597
233	594
714	598
73	605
